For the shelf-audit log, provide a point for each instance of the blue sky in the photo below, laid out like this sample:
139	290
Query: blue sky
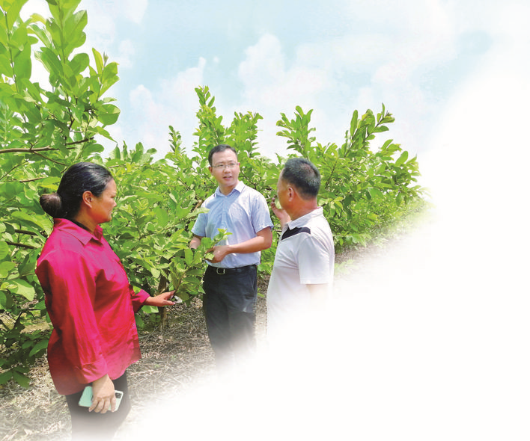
416	57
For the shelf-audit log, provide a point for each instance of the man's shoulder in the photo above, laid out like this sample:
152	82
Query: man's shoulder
209	200
251	193
317	227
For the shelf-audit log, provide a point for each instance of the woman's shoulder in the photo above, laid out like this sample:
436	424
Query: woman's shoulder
64	242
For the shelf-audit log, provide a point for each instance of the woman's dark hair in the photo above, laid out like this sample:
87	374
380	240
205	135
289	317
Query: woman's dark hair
80	177
303	175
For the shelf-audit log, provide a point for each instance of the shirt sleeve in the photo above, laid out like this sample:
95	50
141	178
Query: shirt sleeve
313	262
261	217
199	229
138	299
70	303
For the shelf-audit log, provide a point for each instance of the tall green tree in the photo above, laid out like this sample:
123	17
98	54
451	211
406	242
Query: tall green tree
44	128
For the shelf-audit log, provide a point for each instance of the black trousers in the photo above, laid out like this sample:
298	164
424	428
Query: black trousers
96	426
229	310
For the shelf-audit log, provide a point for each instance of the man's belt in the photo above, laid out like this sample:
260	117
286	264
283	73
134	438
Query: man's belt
222	271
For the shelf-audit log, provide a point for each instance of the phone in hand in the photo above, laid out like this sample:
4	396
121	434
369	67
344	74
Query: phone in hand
86	397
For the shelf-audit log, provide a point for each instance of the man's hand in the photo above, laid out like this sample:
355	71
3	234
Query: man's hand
280	213
195	242
160	299
103	395
219	253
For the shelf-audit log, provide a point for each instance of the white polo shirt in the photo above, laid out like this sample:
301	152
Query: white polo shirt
305	256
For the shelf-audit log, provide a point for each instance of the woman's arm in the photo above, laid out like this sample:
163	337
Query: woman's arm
160	299
103	395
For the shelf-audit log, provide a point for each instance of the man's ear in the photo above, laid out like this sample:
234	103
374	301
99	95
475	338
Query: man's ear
291	192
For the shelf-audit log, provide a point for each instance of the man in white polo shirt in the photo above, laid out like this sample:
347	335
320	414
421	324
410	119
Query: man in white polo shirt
302	275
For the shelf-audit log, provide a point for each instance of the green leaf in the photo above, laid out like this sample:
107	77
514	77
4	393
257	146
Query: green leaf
139	322
183	296
99	61
4	301
21	379
161	216
43	344
402	158
5	268
12	8
188	255
108	114
23	288
100	130
39	221
52	183
354	121
22	65
375	193
4	250
79	63
5	377
149	309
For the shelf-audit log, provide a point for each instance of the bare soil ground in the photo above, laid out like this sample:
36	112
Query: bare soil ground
176	358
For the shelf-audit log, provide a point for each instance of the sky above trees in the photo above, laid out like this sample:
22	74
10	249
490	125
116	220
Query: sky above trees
420	58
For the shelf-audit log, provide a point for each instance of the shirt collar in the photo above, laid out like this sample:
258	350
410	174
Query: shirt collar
301	221
239	188
79	233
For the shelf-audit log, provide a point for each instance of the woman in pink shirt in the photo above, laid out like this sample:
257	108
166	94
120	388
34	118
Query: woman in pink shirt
90	301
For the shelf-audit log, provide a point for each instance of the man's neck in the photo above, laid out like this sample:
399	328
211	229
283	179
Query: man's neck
227	190
303	210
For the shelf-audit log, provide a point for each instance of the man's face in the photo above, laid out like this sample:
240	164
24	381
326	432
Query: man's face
225	169
282	190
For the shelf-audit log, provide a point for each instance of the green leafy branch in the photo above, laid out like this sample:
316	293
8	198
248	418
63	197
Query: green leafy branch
187	267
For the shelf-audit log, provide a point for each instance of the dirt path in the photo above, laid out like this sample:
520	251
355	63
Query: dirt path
180	358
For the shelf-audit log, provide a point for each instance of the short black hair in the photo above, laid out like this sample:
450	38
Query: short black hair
219	148
303	175
80	177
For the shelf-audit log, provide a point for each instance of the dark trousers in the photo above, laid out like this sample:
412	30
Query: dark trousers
96	426
229	309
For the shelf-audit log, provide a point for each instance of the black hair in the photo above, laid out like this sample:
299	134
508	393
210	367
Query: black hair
219	148
80	177
303	175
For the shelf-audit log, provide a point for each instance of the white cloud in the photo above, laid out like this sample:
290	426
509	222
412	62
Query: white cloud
272	87
134	10
152	112
102	31
389	58
126	53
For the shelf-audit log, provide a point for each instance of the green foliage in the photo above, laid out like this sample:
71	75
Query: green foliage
46	128
188	265
360	189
